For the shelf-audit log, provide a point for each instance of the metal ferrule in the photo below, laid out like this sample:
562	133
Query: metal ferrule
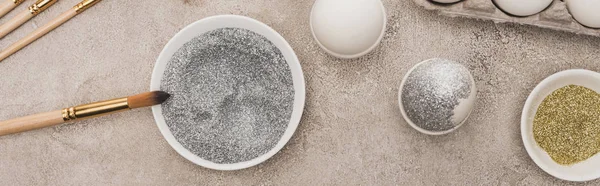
17	2
84	5
40	6
95	109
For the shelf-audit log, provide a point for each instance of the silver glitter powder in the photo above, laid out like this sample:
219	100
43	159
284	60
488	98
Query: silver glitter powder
432	91
232	95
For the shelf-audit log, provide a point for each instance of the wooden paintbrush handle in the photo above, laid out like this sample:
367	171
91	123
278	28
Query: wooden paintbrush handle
6	6
15	22
32	122
41	31
82	112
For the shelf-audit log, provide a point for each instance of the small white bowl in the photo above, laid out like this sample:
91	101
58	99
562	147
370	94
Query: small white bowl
582	171
227	21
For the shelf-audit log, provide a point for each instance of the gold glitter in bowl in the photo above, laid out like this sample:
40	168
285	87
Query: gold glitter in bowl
585	170
567	124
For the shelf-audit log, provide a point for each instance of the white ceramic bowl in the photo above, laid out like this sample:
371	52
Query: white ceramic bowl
582	171
197	28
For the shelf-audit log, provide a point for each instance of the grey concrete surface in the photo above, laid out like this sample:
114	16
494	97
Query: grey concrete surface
351	132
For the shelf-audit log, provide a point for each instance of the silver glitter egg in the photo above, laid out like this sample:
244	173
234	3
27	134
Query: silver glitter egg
436	96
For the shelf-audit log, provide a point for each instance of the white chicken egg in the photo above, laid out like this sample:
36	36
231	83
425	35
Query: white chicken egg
523	7
348	28
446	1
586	12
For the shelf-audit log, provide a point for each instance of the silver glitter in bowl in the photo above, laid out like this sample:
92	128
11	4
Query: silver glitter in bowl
431	93
232	95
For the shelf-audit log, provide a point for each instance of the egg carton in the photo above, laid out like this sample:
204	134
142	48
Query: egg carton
555	17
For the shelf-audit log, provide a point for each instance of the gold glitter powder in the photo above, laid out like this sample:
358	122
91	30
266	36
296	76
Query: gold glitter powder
567	124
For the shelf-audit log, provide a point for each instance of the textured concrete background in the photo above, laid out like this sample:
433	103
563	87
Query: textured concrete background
351	131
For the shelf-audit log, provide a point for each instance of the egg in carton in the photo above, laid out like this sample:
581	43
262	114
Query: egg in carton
577	16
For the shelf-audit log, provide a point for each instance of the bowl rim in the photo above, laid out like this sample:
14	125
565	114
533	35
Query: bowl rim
350	56
531	146
226	21
407	119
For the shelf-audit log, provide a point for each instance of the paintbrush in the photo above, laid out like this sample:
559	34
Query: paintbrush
43	30
81	112
8	5
24	16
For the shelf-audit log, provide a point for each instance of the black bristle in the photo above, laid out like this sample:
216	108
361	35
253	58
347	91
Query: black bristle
161	96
